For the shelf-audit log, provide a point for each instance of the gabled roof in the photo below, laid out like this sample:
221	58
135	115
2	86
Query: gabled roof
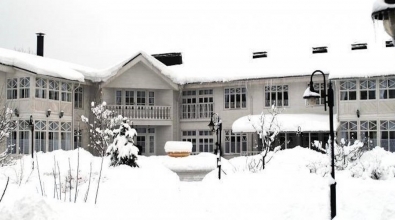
160	69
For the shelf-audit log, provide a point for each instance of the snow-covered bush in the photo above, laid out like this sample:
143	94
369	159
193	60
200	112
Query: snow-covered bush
376	164
123	150
102	126
346	153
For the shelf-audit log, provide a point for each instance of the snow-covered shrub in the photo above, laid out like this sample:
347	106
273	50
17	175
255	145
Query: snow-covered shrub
102	126
346	153
376	164
123	150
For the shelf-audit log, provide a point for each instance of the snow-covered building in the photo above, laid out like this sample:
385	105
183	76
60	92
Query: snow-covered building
168	97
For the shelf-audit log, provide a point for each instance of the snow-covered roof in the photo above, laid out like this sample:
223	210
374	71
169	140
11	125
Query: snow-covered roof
105	74
286	122
217	48
43	66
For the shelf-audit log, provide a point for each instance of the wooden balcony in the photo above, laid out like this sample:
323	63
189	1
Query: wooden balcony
142	112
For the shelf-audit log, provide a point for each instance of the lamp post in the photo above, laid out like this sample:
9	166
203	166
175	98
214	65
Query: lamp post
311	95
216	125
31	125
384	10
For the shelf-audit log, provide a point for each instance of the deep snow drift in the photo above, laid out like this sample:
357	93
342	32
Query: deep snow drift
286	189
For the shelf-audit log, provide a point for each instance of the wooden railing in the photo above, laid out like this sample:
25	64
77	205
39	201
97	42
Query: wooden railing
196	111
142	111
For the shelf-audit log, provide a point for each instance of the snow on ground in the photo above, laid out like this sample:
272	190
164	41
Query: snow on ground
284	190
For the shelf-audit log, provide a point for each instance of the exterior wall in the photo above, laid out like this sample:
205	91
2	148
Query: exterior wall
141	76
255	103
376	110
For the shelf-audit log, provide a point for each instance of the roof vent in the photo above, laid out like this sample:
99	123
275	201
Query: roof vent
320	50
256	55
359	46
169	59
389	43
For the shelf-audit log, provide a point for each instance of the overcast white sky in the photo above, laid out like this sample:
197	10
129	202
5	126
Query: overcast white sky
100	33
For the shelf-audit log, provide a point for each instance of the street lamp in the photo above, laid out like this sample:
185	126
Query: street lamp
31	125
311	95
384	10
216	125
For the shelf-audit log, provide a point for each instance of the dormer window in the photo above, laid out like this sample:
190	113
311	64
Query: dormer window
256	55
359	46
320	50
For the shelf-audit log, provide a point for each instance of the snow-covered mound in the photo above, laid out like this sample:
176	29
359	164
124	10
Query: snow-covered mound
285	190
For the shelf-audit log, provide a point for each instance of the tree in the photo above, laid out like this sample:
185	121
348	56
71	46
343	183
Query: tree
6	126
101	131
123	150
267	128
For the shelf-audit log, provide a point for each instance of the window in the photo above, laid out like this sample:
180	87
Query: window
118	97
66	92
129	97
367	89
53	89
77	138
348	90
387	89
387	129
235	98
65	135
201	138
24	87
348	131
40	129
197	104
276	95
235	143
78	97
369	132
320	88
12	88
41	88
53	136
151	98
146	139
140	97
24	134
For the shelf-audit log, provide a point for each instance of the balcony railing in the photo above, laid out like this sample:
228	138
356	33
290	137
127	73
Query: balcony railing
196	111
142	111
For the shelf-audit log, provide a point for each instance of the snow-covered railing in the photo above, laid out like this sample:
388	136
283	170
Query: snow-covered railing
142	111
250	153
196	111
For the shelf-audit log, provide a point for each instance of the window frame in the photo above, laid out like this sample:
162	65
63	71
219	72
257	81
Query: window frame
239	140
271	91
345	88
239	97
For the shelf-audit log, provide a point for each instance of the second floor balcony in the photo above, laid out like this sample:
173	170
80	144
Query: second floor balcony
196	111
145	112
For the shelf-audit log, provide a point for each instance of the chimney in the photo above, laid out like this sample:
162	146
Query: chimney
40	44
169	59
